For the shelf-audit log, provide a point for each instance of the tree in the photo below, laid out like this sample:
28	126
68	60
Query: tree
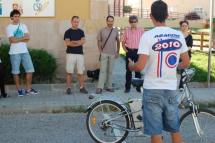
127	9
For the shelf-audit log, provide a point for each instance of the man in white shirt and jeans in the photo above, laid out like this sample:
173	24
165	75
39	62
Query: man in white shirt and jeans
159	53
18	36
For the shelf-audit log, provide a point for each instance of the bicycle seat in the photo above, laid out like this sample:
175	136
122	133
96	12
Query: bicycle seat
136	82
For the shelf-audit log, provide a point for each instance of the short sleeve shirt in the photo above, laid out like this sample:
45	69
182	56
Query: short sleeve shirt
163	45
17	31
74	35
111	45
132	37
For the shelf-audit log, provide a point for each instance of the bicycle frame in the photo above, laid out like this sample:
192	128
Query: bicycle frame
126	112
193	107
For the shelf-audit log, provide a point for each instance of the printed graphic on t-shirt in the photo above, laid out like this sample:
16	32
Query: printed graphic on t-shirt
166	51
18	33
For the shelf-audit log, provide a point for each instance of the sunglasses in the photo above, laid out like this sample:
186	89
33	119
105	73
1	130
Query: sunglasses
133	21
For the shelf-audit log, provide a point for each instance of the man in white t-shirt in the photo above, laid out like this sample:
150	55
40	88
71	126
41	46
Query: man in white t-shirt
159	53
18	36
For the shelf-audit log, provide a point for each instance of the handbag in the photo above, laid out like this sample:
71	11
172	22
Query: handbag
105	43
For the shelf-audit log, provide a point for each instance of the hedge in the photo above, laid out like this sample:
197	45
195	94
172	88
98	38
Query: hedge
44	64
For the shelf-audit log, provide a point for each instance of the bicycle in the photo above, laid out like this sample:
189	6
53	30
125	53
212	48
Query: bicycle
110	120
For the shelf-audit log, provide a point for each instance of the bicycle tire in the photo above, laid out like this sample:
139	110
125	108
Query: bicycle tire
94	134
188	130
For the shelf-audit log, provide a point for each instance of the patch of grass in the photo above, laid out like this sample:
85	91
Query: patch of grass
70	109
200	62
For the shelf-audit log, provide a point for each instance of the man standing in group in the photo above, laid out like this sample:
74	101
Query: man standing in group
18	36
161	49
108	45
74	39
2	84
130	44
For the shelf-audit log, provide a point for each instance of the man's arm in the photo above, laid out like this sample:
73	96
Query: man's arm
185	61
118	45
25	39
140	64
123	42
74	43
99	43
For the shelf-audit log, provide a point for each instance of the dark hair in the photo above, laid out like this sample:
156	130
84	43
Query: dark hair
184	21
14	12
75	17
109	16
159	10
133	17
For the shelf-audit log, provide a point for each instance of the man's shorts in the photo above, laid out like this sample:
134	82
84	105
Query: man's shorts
73	60
24	59
160	111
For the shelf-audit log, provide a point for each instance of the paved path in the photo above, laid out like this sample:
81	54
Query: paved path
52	97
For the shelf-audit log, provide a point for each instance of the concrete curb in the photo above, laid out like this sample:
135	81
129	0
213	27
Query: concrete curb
45	109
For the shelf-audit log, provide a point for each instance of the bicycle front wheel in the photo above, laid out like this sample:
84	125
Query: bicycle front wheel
107	122
206	121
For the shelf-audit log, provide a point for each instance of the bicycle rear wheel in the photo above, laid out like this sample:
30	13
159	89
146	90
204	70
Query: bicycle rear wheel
107	122
206	120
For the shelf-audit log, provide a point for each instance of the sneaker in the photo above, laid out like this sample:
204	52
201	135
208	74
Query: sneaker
5	95
68	91
109	89
83	90
98	91
127	90
31	91
21	92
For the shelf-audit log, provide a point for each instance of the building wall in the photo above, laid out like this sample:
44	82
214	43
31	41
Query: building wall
183	6
47	33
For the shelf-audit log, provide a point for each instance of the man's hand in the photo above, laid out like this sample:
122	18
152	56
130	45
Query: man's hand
130	64
124	48
25	38
185	61
74	43
116	55
139	65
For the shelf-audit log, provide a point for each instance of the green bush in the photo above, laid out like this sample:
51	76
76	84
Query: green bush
127	9
44	64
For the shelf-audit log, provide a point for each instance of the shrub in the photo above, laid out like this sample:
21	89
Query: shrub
127	9
44	64
4	50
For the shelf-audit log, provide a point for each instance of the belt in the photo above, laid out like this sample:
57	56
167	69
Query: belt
129	49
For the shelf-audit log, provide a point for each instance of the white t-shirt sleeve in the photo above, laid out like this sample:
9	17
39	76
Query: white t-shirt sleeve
143	46
25	29
9	31
184	47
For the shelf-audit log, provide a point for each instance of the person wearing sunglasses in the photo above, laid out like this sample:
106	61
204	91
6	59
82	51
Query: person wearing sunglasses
130	44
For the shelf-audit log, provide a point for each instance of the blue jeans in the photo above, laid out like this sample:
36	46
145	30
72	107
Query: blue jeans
160	111
25	59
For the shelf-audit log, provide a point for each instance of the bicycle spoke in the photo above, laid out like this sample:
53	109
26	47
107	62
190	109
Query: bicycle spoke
206	122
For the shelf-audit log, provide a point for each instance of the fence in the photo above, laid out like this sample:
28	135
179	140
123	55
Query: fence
143	13
200	39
